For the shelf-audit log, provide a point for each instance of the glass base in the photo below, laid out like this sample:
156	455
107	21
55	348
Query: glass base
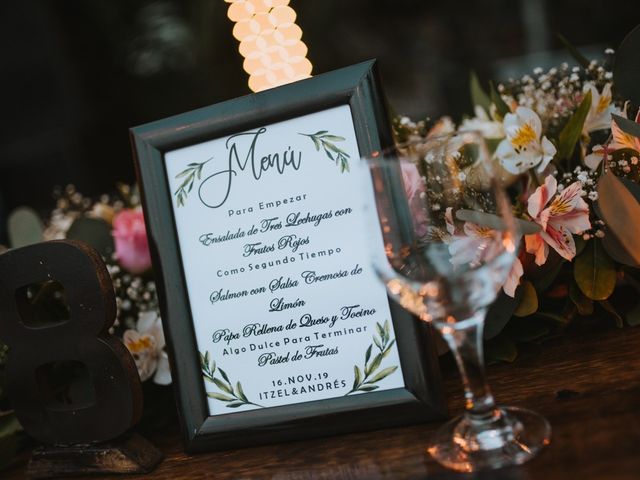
510	436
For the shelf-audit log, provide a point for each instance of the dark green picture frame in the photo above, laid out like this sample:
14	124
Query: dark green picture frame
421	399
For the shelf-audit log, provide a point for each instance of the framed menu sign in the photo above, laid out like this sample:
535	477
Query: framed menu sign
277	325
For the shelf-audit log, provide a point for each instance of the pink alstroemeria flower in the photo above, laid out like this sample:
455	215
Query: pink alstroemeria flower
566	214
477	245
621	139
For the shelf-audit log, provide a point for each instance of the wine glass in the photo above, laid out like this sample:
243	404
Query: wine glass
450	241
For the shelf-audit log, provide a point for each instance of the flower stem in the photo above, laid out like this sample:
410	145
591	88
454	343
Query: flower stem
534	178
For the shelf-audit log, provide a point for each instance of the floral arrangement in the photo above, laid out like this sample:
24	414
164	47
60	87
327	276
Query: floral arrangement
114	224
569	150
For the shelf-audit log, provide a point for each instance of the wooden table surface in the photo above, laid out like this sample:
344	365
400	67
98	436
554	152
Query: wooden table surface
586	384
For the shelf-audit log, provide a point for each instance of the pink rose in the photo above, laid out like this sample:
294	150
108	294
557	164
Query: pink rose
130	234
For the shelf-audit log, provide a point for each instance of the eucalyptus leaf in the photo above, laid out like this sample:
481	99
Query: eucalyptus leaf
478	95
580	300
616	250
580	244
547	273
528	304
626	125
24	227
571	132
627	66
94	231
494	221
619	209
594	272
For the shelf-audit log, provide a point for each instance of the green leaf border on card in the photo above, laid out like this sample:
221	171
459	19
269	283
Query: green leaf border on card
364	380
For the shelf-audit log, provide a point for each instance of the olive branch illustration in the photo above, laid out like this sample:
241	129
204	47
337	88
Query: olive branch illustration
365	379
234	397
323	139
193	171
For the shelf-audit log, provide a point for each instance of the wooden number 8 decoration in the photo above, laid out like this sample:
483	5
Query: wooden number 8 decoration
82	340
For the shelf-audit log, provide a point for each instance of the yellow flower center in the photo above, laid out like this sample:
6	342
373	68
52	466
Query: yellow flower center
523	137
603	103
143	343
559	207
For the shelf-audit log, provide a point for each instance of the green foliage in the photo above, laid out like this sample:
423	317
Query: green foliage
234	397
581	59
528	302
499	313
365	382
190	174
572	130
501	107
24	227
619	208
627	66
595	272
94	231
548	272
323	139
583	303
12	438
478	95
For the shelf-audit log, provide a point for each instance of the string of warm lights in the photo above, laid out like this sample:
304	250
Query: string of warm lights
270	42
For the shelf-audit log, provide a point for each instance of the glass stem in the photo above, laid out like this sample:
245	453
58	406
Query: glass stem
465	341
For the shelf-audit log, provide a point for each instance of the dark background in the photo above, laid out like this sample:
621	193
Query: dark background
76	74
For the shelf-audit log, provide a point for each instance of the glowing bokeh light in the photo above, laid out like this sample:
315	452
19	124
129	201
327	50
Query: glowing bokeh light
270	42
